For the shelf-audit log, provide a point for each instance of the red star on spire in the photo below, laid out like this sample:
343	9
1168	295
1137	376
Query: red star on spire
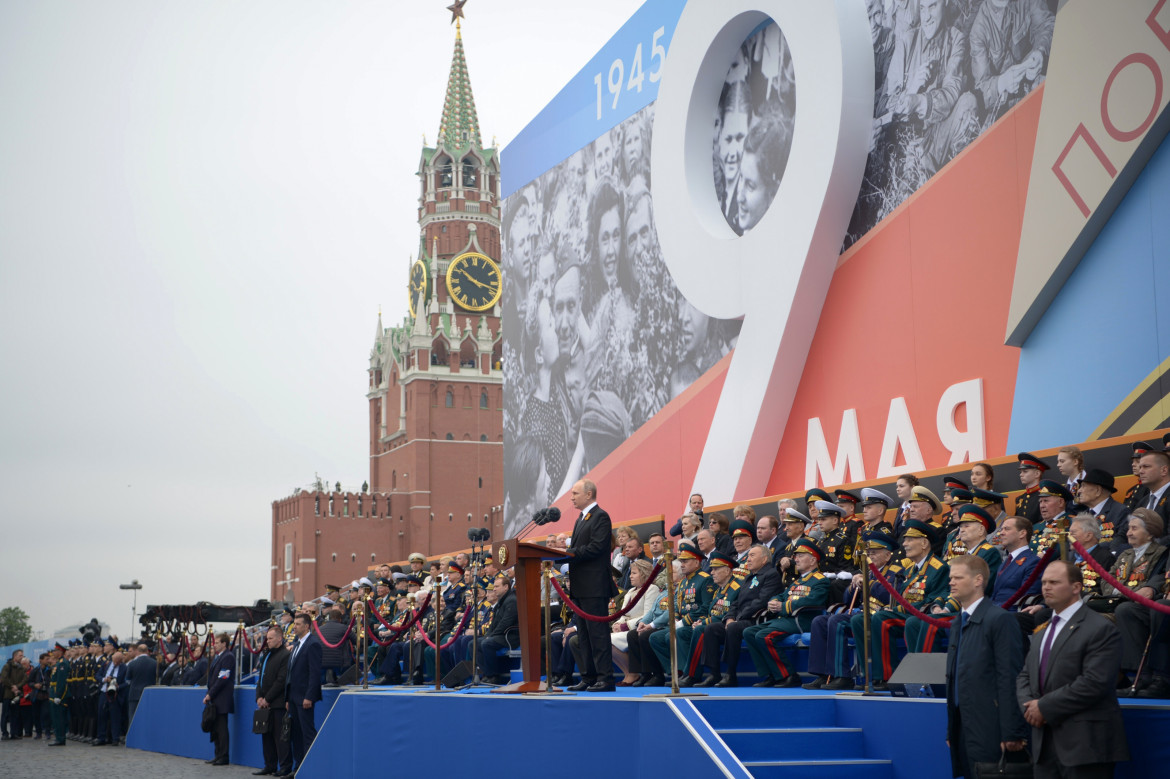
456	10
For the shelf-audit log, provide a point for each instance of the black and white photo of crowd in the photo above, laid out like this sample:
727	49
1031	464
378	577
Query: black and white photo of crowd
597	337
753	128
945	71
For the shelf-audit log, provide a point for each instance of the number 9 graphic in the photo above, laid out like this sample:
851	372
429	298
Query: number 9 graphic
776	275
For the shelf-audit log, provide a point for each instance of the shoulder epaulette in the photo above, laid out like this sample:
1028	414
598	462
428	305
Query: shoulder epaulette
983	546
704	575
818	575
935	563
734	584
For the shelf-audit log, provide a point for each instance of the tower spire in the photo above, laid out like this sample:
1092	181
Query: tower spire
459	125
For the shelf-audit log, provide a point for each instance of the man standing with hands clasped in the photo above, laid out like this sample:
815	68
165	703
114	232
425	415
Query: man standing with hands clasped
1067	686
591	587
984	657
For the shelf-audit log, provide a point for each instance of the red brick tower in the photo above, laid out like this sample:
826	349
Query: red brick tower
435	385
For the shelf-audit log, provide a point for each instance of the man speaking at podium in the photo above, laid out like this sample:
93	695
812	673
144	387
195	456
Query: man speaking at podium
591	587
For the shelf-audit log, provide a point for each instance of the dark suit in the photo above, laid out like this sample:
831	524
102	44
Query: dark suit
221	688
110	704
140	674
591	587
754	593
1012	574
270	686
1115	516
505	617
1084	733
983	660
304	684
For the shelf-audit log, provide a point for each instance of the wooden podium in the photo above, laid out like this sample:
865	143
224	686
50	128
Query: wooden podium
526	557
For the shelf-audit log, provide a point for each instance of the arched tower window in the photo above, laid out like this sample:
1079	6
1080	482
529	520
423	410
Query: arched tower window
450	399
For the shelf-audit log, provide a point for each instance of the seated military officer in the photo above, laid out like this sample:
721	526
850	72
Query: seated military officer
692	602
793	612
926	580
1053	499
828	649
727	589
756	589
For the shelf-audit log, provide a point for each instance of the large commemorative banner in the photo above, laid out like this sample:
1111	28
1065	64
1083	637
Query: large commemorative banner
760	245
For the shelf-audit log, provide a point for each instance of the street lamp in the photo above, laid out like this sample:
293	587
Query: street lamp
133	585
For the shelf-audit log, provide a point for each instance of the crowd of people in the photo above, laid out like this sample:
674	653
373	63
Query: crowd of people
745	582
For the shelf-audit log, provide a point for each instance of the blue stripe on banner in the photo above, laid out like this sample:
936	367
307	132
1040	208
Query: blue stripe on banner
619	81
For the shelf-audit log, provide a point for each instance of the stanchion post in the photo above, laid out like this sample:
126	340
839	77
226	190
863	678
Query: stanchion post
1062	540
436	599
240	639
866	614
670	612
546	585
363	649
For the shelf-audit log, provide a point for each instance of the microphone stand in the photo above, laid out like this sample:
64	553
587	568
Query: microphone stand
475	680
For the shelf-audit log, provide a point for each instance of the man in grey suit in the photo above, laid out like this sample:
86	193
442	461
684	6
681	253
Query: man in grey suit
984	658
1067	686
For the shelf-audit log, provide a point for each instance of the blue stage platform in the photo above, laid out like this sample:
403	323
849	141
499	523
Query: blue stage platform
739	733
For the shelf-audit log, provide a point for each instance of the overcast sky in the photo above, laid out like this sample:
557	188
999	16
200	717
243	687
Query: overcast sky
202	207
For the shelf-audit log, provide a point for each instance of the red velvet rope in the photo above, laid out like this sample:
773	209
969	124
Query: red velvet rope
340	641
455	635
398	631
616	615
1039	569
187	646
248	644
938	623
1113	582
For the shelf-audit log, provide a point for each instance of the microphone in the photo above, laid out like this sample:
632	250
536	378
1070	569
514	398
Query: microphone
546	516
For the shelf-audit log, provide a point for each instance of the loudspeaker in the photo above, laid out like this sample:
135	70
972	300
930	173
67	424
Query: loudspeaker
349	677
458	674
920	675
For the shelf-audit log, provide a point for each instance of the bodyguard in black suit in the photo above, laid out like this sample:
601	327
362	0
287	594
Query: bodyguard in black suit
1067	685
591	587
304	686
221	692
270	694
985	655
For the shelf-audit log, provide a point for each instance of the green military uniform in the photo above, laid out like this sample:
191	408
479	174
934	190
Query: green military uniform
804	599
59	698
924	585
722	605
692	603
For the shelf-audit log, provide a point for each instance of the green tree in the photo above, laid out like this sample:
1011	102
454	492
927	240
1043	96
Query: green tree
14	627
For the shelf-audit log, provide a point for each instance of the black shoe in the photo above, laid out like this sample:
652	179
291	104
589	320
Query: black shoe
767	681
1159	688
286	772
221	761
100	743
728	681
416	679
792	681
37	737
655	680
500	679
640	681
209	762
56	743
880	687
840	683
686	681
264	772
710	680
580	686
816	684
602	687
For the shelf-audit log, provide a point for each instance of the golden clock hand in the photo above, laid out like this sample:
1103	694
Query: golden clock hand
477	282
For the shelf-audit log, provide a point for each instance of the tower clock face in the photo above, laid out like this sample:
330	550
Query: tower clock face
419	282
474	282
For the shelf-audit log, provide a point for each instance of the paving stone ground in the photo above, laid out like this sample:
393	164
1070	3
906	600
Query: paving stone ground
33	759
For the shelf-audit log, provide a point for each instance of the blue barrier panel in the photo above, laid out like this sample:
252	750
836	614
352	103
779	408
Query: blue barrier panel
167	720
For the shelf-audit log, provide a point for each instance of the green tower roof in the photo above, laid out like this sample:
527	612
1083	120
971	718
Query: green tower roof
459	127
